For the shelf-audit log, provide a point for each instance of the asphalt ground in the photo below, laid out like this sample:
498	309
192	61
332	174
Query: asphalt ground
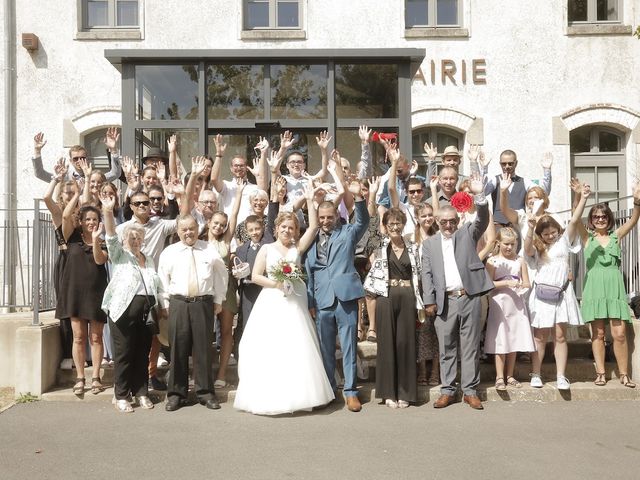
559	440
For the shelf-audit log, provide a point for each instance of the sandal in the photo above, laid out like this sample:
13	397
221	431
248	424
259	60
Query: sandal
78	388
361	334
500	385
626	381
512	382
96	385
372	336
600	380
123	406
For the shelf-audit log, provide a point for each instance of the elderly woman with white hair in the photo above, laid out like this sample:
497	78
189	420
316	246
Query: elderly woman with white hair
131	293
259	200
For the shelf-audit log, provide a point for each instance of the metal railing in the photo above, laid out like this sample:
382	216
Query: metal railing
29	254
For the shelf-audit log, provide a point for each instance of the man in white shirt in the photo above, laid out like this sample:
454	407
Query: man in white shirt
453	280
194	279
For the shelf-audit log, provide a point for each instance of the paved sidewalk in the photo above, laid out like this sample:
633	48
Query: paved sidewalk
524	440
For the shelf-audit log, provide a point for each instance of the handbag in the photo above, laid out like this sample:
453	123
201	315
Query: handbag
150	312
550	293
240	269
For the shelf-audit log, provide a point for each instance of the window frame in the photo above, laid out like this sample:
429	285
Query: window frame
432	13
592	8
273	16
431	132
110	31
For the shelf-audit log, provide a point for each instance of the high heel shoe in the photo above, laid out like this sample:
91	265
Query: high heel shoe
626	381
78	388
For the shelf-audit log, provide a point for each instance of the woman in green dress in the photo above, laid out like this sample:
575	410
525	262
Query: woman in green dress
604	298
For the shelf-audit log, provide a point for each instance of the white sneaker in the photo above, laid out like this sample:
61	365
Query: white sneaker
536	381
66	364
162	362
563	383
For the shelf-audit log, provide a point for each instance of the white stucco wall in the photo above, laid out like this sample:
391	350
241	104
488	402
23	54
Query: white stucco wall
534	70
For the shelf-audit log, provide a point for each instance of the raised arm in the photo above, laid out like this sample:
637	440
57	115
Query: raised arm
38	144
68	215
310	234
576	187
509	213
529	248
435	203
86	190
545	163
576	218
108	220
111	142
332	168
394	155
366	168
172	148
216	178
188	202
323	142
99	255
374	185
260	172
60	171
233	217
623	230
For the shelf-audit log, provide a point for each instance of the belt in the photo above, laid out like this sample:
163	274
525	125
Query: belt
399	283
200	298
456	293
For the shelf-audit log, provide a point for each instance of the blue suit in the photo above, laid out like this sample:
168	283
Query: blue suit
333	290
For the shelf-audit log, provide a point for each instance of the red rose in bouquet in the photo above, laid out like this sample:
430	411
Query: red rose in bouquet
286	269
389	137
461	201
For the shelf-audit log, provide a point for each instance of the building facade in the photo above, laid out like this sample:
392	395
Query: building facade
560	76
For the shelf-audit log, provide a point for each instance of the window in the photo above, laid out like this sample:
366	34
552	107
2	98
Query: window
96	149
594	11
109	14
441	137
432	13
272	14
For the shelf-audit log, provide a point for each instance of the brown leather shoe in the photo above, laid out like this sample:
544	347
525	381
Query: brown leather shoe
353	404
473	401
444	401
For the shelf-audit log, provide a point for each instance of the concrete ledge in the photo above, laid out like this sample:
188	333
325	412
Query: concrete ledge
108	34
37	356
273	35
599	29
426	32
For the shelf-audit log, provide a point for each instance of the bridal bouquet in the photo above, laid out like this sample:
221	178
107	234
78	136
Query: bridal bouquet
287	272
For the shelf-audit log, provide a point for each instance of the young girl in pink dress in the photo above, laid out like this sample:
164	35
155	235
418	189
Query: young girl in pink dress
508	327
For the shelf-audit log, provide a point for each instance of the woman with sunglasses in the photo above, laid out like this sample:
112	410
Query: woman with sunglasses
604	298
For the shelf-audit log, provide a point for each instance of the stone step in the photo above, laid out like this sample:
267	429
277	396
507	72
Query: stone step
580	391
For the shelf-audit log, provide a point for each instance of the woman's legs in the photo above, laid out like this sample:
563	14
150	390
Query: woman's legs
371	312
226	334
597	344
499	358
561	349
540	339
620	348
510	364
79	328
96	347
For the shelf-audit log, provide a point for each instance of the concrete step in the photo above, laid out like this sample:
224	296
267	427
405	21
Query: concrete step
580	391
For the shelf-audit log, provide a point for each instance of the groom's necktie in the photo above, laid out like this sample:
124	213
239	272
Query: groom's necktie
323	245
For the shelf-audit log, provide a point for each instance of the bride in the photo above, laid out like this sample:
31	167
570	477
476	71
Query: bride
280	365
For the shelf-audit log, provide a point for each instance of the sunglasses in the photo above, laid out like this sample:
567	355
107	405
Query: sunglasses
79	158
450	221
156	199
415	192
141	203
598	217
507	164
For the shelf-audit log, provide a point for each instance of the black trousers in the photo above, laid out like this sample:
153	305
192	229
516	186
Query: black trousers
191	331
131	344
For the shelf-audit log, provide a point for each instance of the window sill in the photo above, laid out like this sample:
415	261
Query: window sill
273	35
109	34
436	32
599	29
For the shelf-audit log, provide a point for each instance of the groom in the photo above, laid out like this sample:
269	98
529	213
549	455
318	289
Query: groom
334	288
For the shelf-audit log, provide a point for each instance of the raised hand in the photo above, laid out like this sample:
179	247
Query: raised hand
177	187
254	167
473	152
286	140
198	164
172	143
309	192
241	184
281	188
111	139
220	145
324	139
483	160
355	188
531	221
274	161
263	145
95	235
575	185
586	190
364	133
60	169
505	181
127	165
332	166
335	155
392	151
108	202
475	185
414	168
433	182
162	172
86	168
431	151
374	185
39	142
547	160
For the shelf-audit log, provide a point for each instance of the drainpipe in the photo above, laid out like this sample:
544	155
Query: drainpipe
8	170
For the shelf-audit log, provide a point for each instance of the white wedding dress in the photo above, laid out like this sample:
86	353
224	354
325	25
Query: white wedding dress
280	365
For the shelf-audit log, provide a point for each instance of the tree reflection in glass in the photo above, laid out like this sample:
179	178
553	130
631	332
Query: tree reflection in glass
367	91
235	91
166	92
298	91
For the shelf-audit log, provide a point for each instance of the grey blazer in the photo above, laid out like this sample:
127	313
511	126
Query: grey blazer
475	279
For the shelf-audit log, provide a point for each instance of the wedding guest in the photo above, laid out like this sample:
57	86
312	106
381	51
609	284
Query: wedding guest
131	293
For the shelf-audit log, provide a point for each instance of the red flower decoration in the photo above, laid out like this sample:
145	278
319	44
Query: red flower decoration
286	269
461	201
389	137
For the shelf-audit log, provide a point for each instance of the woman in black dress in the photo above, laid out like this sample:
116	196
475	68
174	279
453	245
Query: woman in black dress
82	286
393	278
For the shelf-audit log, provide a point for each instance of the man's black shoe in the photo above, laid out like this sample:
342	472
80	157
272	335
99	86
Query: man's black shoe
173	404
156	384
211	404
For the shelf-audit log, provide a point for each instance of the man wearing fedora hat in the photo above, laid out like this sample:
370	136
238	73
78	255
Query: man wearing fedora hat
154	157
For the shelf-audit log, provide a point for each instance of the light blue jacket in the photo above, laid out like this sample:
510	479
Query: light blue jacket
125	279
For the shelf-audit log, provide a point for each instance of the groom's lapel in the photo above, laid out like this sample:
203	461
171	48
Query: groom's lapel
332	238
